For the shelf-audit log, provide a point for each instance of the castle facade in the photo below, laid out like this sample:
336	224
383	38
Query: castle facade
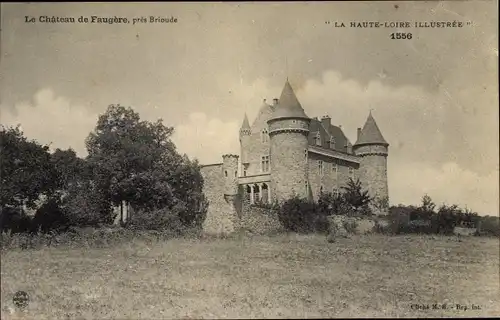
285	153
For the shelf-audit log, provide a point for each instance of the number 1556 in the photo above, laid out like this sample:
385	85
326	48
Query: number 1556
401	36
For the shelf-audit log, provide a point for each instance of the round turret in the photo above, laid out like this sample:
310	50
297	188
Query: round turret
230	174
373	150
288	132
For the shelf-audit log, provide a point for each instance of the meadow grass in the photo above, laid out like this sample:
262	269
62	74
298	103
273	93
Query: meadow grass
285	276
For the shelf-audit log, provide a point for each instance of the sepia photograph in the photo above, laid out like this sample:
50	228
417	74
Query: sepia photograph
249	160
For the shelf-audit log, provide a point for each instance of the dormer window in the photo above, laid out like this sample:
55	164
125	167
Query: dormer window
332	143
264	136
317	139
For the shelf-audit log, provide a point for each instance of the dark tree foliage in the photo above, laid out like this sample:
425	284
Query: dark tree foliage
355	196
302	215
50	217
136	161
71	169
330	203
14	220
425	218
26	170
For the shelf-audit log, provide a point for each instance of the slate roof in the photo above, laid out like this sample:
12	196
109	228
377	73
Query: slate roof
370	134
288	105
326	132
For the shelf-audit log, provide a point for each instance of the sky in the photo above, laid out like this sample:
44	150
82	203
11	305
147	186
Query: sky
434	97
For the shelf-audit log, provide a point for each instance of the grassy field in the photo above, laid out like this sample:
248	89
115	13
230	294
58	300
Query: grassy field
287	276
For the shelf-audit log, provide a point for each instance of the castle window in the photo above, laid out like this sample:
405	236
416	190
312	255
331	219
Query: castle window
334	168
264	136
305	154
351	172
332	143
320	167
236	174
225	173
265	164
317	139
307	186
321	189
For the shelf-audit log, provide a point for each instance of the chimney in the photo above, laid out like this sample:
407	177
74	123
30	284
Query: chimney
359	132
275	101
326	121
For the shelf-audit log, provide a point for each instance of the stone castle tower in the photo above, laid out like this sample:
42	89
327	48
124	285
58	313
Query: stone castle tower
372	149
288	132
286	153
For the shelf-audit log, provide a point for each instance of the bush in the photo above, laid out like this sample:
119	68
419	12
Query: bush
489	226
399	217
329	203
50	217
158	220
14	220
383	227
301	215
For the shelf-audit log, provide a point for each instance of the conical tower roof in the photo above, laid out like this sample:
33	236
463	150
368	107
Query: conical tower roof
370	134
246	124
288	105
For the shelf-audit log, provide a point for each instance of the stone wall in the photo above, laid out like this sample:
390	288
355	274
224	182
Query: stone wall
222	215
330	179
260	220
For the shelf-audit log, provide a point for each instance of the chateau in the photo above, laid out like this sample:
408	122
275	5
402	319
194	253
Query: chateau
286	153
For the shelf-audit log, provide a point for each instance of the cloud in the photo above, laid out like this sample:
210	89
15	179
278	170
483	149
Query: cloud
441	143
206	139
53	120
449	184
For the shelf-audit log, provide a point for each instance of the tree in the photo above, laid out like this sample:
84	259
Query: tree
333	203
136	161
70	168
355	196
426	210
27	172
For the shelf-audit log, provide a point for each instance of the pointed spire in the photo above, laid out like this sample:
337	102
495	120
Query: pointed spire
288	104
370	134
246	124
245	129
